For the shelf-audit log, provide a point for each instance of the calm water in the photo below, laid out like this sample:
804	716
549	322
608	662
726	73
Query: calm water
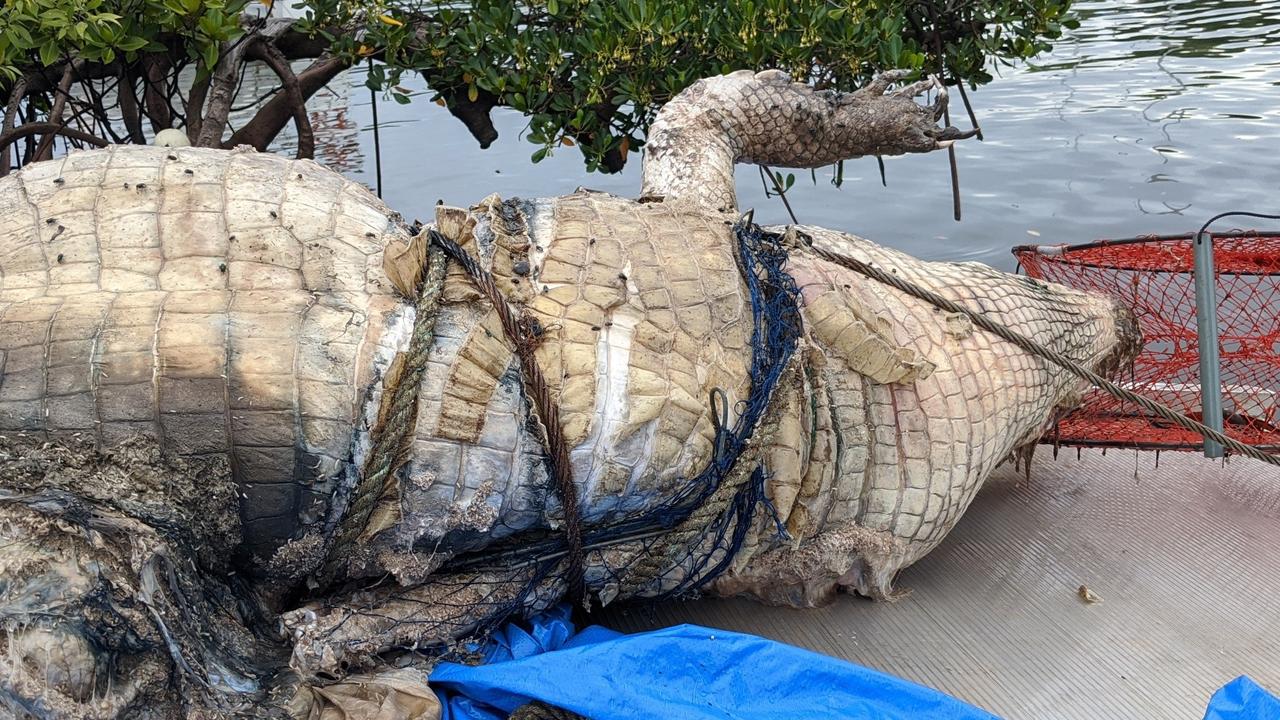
1151	117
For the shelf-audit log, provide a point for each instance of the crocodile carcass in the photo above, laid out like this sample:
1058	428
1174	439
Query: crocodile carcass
739	414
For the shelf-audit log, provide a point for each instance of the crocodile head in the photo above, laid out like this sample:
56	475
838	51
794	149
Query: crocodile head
1106	342
1128	341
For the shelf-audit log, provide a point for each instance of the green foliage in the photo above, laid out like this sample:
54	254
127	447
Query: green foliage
39	33
593	72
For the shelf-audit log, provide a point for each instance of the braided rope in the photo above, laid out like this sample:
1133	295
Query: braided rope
390	445
525	333
1034	348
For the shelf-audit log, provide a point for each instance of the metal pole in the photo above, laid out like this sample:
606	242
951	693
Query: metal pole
377	141
1207	338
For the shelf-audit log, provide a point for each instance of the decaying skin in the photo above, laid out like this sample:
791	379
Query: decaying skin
114	568
250	308
766	119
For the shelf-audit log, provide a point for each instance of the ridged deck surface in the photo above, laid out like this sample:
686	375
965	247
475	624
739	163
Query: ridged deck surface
1186	558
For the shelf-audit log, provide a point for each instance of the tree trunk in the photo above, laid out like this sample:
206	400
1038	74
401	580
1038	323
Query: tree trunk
279	110
129	109
156	95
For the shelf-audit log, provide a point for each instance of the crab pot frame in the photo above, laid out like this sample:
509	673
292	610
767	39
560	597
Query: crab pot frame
1155	277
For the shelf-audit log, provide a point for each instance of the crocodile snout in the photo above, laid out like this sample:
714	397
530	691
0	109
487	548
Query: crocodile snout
1128	341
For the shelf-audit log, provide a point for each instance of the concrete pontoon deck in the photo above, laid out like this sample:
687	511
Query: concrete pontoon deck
1185	557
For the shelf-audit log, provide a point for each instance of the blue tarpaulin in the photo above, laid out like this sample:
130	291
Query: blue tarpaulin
680	672
1243	699
699	673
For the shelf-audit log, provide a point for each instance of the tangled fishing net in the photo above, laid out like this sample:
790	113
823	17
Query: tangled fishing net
666	549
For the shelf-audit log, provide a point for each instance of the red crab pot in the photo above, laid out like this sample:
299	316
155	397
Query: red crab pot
1154	275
